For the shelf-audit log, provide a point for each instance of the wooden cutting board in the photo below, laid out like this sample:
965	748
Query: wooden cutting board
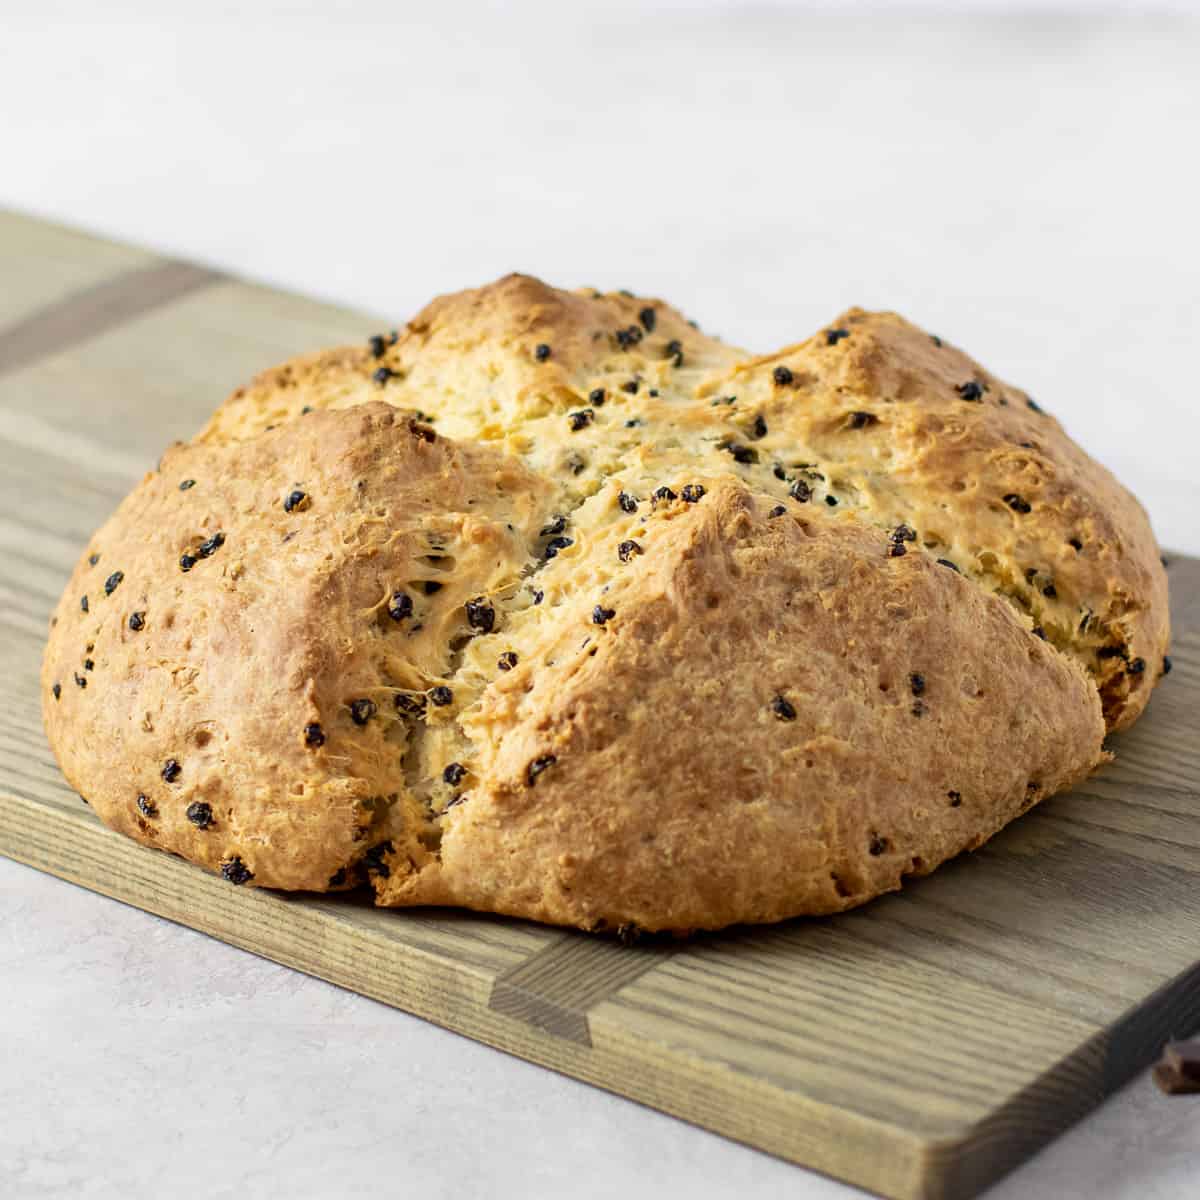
919	1047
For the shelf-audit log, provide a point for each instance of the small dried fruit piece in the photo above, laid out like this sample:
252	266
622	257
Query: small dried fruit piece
480	614
1178	1072
537	766
400	606
411	704
236	871
200	814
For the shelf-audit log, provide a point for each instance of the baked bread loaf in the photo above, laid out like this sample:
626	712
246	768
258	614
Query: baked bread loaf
550	605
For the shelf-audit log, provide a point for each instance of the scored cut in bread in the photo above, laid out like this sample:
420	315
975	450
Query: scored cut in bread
550	605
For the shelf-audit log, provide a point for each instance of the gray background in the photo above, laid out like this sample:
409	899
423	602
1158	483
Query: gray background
1022	180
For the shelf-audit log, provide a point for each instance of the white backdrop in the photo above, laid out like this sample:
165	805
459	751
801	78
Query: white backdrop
1026	185
1022	181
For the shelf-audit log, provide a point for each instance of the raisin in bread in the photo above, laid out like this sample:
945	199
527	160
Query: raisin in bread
550	605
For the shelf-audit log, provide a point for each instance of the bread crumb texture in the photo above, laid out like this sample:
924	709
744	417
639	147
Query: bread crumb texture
548	604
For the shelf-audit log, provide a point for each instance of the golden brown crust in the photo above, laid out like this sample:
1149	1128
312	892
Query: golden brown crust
776	719
244	669
990	482
723	638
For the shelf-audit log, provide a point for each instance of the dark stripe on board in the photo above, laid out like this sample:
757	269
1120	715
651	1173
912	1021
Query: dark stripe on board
98	309
554	989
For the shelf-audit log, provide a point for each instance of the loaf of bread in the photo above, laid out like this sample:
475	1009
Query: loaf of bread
550	605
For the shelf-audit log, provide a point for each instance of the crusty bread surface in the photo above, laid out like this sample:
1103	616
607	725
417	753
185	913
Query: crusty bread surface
548	604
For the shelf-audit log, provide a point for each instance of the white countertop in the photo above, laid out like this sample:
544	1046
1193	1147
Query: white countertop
1025	185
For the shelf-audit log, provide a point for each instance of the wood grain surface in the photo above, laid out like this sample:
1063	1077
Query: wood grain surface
919	1047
